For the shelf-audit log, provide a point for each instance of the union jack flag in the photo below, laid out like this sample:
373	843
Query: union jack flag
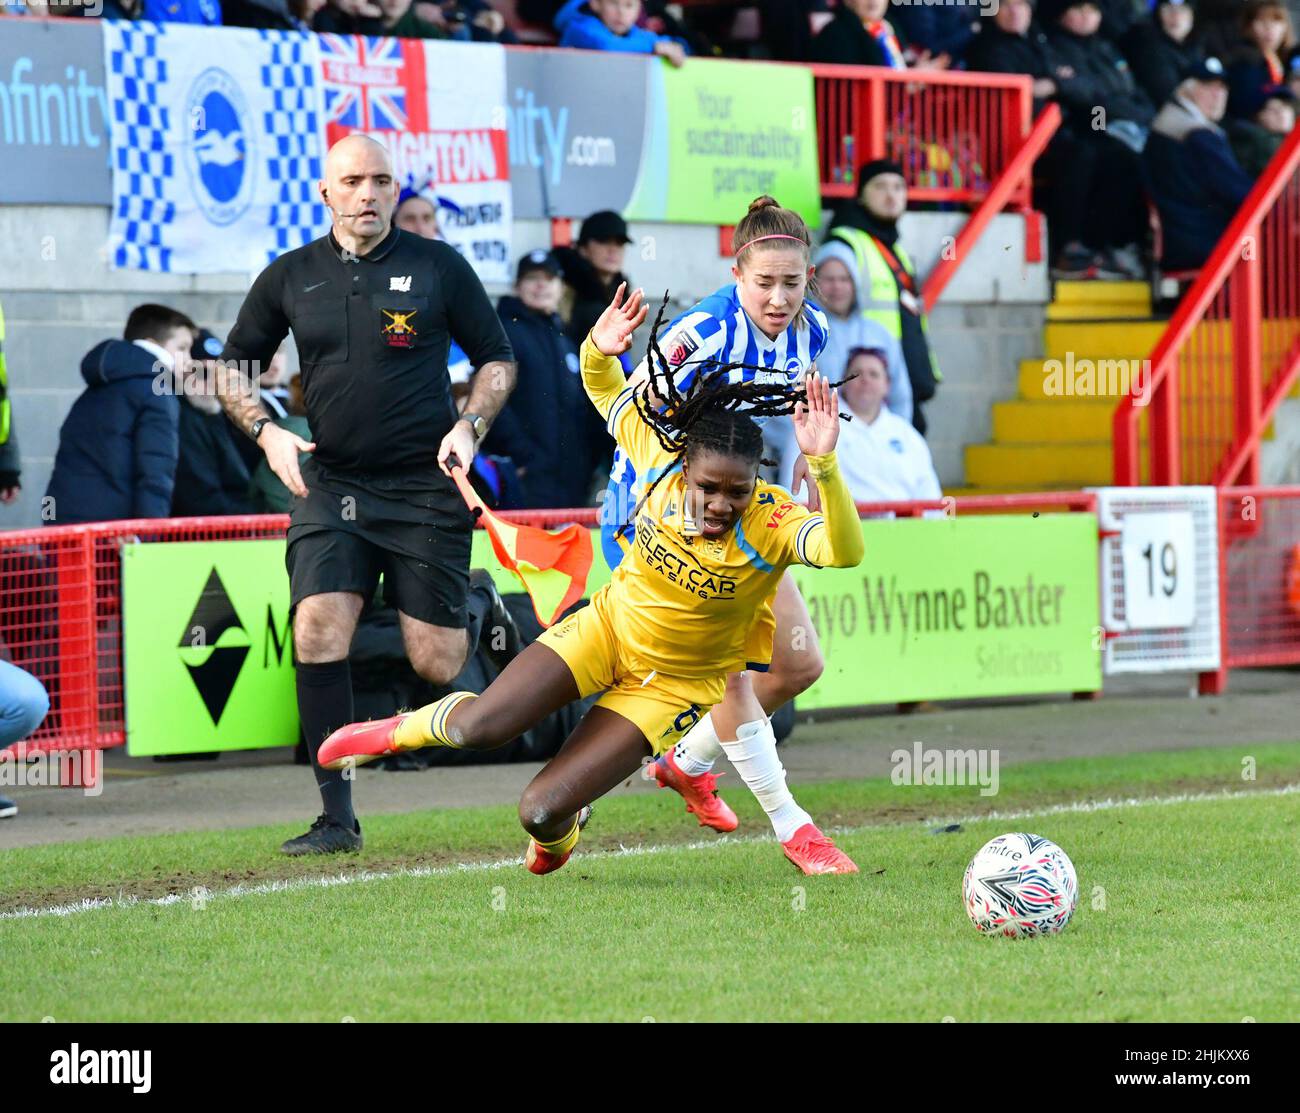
364	85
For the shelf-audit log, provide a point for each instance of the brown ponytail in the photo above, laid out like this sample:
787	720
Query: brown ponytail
767	218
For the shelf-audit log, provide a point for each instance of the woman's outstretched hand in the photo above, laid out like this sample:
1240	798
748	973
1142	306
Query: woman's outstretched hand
817	421
612	333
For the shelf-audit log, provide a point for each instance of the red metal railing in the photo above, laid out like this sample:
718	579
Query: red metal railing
955	133
61	600
1231	351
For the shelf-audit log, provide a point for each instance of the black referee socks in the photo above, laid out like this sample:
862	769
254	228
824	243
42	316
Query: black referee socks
324	705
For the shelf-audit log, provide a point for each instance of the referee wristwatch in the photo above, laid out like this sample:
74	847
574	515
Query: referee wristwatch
255	430
477	424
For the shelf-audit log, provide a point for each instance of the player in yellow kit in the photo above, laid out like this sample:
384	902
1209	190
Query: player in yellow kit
711	544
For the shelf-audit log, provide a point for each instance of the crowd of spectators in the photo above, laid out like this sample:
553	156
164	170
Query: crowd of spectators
1112	66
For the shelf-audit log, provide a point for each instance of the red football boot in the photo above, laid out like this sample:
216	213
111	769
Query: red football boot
813	852
539	860
359	743
700	793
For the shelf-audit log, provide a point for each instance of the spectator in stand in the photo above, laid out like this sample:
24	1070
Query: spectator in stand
1218	27
611	25
1293	73
548	428
1256	141
882	457
860	35
1190	171
1257	64
397	18
1102	101
1120	17
837	294
888	290
939	30
465	20
11	466
117	447
24	704
1081	172
1162	51
211	477
1013	43
416	213
592	271
273	15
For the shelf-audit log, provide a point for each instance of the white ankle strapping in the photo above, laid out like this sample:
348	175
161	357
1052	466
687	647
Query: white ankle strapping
754	756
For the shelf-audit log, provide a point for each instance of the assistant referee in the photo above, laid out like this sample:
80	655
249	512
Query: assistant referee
373	310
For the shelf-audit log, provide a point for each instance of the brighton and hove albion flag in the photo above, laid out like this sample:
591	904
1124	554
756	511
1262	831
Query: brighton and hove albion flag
553	567
216	146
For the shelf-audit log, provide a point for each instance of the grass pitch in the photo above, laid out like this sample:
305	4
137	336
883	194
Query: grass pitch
1187	912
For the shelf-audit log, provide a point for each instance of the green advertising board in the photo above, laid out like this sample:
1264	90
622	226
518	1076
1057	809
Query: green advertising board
714	142
206	654
943	608
953	608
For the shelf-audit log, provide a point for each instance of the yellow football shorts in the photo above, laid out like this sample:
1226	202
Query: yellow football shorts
663	707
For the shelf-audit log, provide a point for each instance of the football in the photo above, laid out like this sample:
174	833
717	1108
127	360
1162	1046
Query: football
1020	885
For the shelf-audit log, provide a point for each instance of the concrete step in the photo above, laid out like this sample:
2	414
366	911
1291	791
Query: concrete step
1030	467
1101	339
1052	421
1129	294
1101	311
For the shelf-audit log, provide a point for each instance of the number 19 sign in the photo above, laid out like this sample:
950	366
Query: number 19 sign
1159	570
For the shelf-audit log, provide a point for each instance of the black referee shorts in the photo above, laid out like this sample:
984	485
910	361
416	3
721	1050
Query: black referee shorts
413	529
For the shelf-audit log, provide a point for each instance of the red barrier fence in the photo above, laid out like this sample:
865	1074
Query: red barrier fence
955	133
61	599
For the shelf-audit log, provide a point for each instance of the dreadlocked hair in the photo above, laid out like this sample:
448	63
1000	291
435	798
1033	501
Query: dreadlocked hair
712	414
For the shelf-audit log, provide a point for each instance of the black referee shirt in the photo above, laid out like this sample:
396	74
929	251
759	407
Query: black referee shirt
372	334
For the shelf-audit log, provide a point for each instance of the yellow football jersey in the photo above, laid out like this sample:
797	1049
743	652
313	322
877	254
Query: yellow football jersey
687	602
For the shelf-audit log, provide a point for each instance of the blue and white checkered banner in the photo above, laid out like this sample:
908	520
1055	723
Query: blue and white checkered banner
217	146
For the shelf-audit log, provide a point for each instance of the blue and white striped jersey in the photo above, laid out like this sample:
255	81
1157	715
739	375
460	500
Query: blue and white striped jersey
712	333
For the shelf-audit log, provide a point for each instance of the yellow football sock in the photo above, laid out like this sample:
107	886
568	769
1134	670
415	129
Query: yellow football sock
426	726
564	843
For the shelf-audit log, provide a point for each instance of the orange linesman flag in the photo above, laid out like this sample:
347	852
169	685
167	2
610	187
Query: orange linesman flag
553	567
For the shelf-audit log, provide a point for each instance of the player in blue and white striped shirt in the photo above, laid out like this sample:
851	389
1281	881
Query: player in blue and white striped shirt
763	321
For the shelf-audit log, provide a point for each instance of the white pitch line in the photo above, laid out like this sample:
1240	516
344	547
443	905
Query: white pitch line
286	885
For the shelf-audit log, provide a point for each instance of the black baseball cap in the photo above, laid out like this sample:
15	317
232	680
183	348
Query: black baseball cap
604	225
207	345
538	260
1209	69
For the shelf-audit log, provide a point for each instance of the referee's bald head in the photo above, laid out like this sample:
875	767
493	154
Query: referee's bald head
360	190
